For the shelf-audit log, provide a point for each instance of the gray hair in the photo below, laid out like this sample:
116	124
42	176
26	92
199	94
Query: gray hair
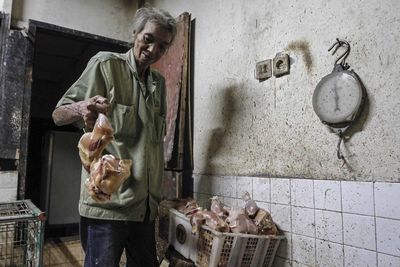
158	16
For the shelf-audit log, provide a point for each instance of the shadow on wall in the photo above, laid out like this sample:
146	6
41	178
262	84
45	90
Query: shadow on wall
218	138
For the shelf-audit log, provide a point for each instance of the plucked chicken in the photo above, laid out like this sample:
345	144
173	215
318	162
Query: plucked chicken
106	172
250	205
264	222
218	208
210	219
247	219
92	144
239	222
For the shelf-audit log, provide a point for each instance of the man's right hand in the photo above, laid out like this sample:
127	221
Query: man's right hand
88	110
91	108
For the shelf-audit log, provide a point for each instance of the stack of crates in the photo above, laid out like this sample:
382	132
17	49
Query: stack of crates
21	234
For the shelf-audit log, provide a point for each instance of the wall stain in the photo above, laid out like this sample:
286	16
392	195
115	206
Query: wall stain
303	47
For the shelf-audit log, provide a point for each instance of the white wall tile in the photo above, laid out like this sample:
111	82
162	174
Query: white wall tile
328	225
244	184
280	191
356	257
387	199
303	249
201	184
388	236
8	179
8	194
262	205
230	201
223	186
357	197
359	231
281	216
298	264
215	184
329	254
327	195
202	199
285	247
261	189
388	261
302	193
303	221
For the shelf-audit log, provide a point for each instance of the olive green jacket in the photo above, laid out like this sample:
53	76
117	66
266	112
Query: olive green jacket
138	117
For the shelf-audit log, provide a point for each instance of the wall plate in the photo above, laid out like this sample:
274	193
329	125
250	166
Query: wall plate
281	64
263	70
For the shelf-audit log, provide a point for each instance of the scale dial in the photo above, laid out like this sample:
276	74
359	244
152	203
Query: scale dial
337	97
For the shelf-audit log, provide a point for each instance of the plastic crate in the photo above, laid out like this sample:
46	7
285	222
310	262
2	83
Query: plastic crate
212	248
180	235
21	234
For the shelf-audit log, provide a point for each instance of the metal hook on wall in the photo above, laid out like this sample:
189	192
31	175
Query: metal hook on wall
339	43
338	152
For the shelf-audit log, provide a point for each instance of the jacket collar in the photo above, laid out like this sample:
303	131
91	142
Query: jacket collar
130	59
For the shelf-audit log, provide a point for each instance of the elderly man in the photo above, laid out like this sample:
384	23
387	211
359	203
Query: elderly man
133	96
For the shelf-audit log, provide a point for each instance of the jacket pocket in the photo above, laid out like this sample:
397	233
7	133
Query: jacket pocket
125	123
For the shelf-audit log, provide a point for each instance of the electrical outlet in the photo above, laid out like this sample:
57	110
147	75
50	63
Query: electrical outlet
281	64
263	70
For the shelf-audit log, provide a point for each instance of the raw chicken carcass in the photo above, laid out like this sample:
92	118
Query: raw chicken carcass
215	222
95	192
264	222
218	208
208	218
197	220
92	144
239	222
190	208
108	173
250	205
236	220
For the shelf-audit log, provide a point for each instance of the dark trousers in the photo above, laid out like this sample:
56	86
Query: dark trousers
104	241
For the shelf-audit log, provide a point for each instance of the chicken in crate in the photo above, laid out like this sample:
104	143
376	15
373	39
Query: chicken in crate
224	236
21	234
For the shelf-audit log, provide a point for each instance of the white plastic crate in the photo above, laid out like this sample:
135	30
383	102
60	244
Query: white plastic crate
180	235
209	248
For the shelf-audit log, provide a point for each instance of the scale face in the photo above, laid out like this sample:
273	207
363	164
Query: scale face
337	97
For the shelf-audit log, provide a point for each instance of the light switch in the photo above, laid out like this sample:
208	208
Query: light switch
263	70
281	64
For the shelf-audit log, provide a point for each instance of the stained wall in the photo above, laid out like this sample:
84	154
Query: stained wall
246	127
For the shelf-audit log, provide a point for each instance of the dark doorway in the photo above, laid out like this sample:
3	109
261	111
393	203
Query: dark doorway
59	57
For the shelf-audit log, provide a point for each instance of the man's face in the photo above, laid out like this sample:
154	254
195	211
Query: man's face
151	44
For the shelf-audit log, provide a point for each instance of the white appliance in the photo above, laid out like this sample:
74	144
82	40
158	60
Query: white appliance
61	175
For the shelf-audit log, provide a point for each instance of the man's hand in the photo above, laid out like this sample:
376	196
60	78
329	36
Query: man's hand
91	108
88	110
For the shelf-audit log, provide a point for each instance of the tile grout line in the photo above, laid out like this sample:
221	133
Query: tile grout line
270	195
252	188
236	189
376	234
291	221
341	213
315	228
